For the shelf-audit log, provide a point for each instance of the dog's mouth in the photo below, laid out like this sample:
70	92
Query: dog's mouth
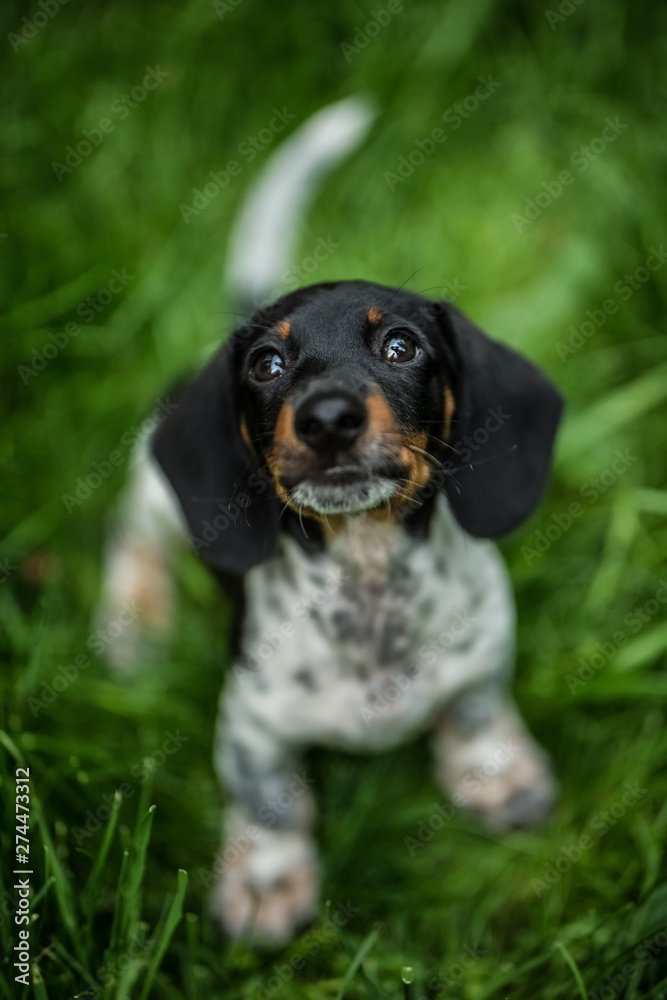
346	489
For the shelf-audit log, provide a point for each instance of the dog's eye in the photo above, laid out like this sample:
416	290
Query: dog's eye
399	348
267	366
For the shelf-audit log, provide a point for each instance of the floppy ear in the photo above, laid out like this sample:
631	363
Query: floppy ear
505	420
228	503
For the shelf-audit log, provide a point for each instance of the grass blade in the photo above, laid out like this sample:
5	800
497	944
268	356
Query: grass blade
135	875
360	955
575	969
11	747
88	895
163	936
63	889
118	905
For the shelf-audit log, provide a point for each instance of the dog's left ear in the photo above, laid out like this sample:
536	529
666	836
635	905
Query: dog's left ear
228	502
505	421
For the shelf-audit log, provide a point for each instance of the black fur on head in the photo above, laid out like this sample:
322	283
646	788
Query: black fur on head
350	396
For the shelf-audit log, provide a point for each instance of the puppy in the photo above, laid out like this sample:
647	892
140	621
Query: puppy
342	464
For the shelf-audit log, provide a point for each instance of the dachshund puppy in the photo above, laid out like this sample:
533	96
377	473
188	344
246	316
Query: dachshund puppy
342	464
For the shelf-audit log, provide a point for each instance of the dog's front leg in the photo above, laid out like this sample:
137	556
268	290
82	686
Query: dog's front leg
269	880
489	763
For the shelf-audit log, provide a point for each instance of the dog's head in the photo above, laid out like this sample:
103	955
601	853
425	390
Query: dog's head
350	397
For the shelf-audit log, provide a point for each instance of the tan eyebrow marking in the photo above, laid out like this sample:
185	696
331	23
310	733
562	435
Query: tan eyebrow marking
283	329
374	315
450	406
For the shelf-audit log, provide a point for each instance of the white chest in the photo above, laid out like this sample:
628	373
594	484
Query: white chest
360	646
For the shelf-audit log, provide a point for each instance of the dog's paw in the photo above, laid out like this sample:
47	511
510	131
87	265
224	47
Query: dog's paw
269	891
500	774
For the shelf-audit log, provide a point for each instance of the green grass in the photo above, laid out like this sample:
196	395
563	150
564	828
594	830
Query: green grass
110	897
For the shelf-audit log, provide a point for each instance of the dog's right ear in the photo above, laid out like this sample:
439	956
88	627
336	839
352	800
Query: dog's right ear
229	504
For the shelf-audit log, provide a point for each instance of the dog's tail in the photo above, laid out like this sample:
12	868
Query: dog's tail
264	235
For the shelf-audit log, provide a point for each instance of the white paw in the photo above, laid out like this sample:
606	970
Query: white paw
270	890
500	774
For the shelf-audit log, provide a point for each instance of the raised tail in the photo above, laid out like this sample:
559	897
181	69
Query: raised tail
263	238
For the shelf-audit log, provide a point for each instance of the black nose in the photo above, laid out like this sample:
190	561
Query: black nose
330	421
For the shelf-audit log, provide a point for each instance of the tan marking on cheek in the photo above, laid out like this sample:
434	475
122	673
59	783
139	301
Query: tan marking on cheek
374	315
419	469
450	406
245	434
383	425
274	469
284	433
284	440
283	329
381	419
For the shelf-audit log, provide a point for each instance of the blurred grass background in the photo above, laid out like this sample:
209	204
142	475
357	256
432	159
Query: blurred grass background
448	229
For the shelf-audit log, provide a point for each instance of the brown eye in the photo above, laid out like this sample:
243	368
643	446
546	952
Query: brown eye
399	348
267	366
